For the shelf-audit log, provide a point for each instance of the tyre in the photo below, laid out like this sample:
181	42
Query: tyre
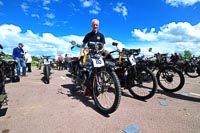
144	85
170	79
2	83
192	71
47	73
106	91
15	79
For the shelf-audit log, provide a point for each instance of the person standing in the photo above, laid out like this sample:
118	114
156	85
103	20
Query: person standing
67	62
60	62
28	60
18	56
93	36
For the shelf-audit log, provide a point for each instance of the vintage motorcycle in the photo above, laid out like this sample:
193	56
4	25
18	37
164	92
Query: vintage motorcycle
94	77
190	67
7	70
169	78
139	80
47	68
3	95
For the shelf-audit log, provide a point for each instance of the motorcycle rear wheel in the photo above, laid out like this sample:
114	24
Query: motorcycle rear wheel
192	71
2	83
170	79
47	73
143	86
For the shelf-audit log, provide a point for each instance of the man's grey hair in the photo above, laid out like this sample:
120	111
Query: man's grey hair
95	20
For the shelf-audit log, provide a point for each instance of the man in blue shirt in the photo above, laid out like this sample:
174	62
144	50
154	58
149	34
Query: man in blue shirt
18	56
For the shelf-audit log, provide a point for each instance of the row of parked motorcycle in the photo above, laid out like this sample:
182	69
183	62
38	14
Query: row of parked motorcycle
103	75
7	70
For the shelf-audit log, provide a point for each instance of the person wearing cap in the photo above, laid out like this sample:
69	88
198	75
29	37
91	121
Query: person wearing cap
18	56
28	60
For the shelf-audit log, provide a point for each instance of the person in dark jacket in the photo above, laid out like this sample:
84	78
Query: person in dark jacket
93	36
18	56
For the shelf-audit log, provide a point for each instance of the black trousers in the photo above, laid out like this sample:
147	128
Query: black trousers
28	65
60	65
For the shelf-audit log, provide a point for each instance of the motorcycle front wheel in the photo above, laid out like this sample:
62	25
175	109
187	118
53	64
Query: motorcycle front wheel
106	91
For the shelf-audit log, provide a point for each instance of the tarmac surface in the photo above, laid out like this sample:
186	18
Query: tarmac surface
36	107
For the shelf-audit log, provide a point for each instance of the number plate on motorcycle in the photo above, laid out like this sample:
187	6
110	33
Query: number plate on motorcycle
46	62
98	62
132	60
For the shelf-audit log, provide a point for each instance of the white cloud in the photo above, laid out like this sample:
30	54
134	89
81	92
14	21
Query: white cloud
144	36
35	15
180	32
177	3
183	35
45	2
93	4
46	8
93	12
47	23
45	44
173	37
25	7
120	8
50	15
86	3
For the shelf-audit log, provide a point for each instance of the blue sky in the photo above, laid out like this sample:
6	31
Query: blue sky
46	27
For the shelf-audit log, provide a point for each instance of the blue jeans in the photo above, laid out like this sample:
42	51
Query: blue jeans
21	63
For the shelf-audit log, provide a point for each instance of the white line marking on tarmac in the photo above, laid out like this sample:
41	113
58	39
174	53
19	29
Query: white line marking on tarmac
63	78
196	94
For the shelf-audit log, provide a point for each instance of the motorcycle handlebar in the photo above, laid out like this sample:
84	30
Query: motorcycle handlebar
131	51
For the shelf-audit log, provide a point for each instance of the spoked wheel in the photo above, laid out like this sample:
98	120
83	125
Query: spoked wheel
106	91
2	88
2	83
47	74
192	71
170	79
144	85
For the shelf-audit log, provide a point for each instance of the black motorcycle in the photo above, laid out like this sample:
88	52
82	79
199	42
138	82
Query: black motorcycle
139	80
7	70
47	69
96	79
169	78
190	67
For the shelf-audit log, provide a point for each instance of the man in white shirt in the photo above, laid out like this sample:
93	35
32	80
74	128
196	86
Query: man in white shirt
28	60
